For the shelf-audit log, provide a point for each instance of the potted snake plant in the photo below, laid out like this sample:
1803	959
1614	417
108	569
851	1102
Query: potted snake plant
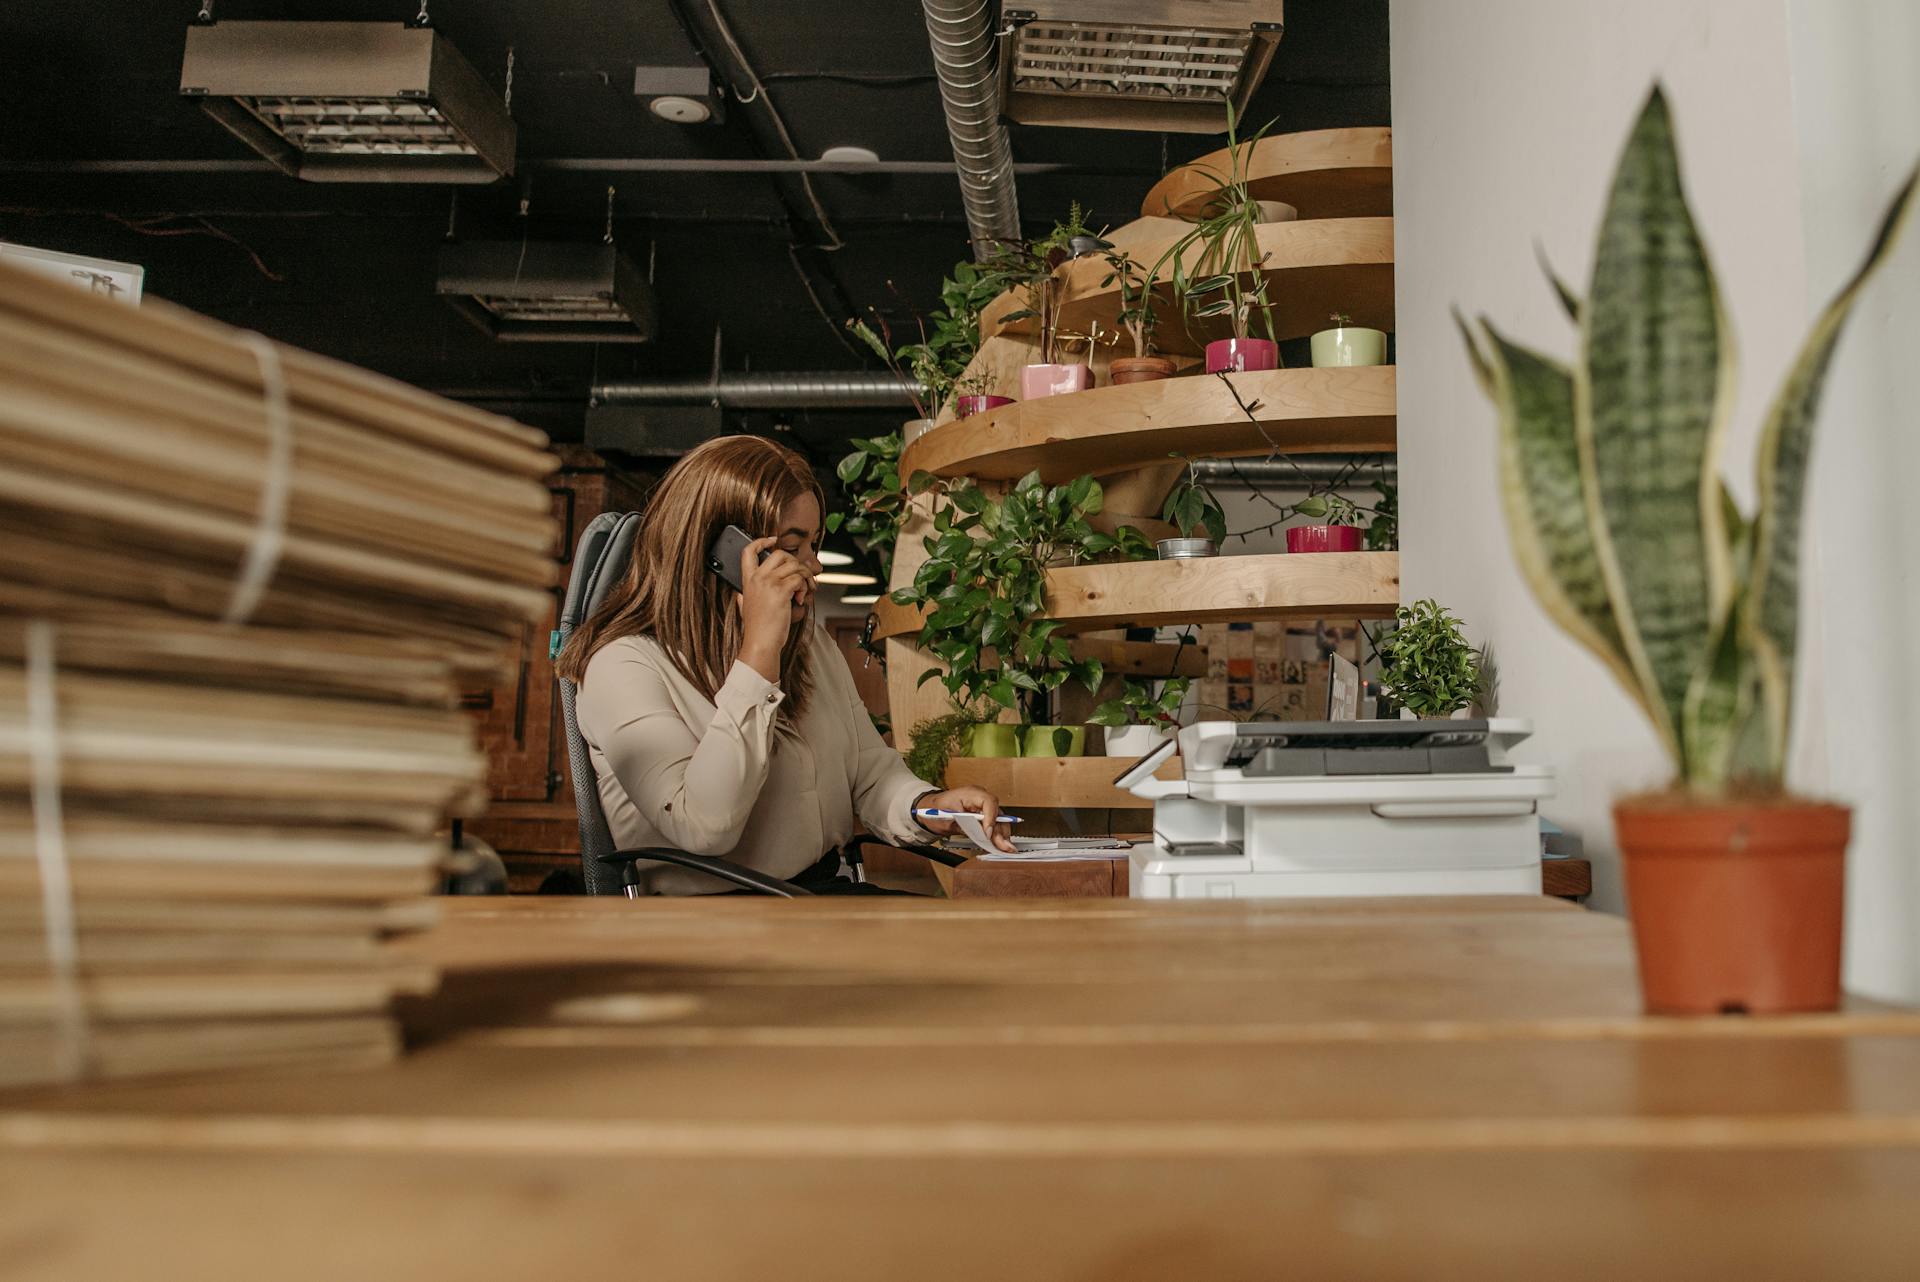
1635	546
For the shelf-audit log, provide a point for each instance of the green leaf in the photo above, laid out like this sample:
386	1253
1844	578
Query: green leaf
1650	398
1543	491
834	521
1771	619
850	467
1569	301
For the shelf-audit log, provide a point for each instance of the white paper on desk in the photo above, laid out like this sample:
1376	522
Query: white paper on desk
1041	848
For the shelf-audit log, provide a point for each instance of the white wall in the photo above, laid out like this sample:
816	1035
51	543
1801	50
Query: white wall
1507	118
1856	106
1794	120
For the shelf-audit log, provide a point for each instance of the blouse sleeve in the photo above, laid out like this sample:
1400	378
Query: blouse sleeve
884	790
697	791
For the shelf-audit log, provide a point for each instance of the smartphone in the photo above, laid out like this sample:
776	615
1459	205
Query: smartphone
723	558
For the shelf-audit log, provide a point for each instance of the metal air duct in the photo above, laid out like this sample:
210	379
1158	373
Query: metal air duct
961	32
795	391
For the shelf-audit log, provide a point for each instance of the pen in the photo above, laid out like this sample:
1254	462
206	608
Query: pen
961	814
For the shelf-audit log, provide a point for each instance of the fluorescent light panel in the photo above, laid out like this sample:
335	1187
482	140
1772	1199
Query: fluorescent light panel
351	101
847	578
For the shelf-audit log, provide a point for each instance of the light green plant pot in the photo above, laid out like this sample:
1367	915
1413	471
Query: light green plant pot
1349	346
994	739
1044	741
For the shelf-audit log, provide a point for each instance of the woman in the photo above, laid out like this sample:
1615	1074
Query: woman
726	723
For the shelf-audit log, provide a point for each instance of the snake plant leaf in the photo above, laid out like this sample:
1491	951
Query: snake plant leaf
1650	397
1542	490
1772	617
1569	301
1722	702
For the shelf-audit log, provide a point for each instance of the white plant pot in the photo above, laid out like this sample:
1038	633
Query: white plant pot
913	429
1133	741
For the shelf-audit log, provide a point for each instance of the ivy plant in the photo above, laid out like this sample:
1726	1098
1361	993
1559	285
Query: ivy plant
983	585
1383	532
870	478
1138	705
1330	507
1427	665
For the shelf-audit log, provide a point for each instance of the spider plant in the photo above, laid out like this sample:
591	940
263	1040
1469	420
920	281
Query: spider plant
1225	277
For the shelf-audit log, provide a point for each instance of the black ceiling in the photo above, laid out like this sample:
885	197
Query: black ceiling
349	269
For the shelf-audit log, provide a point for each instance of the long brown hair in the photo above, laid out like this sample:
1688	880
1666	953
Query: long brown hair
671	595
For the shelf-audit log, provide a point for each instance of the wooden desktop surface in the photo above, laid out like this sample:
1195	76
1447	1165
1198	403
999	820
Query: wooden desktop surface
1084	1090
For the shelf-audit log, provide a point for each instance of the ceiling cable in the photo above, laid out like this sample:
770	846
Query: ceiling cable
205	16
507	100
422	19
779	125
607	237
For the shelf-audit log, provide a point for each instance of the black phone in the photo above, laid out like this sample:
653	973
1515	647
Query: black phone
723	558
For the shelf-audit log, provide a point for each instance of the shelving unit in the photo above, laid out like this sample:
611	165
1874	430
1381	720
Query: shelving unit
1054	782
1314	269
1324	173
1301	411
1155	593
1337	259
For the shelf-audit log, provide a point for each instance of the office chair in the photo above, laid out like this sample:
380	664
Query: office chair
599	561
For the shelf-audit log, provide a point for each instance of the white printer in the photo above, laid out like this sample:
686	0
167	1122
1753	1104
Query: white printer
1290	809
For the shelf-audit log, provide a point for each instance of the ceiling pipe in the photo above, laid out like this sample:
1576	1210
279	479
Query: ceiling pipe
964	50
1296	471
596	165
790	391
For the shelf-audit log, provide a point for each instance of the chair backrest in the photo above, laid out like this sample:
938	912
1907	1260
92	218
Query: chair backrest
599	561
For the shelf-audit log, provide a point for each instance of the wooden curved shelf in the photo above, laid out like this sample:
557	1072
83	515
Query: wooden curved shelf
1325	173
1111	428
1335	585
1054	782
1315	269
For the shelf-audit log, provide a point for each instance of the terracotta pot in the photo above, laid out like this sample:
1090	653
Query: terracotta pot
968	406
1235	355
1138	369
1736	907
1054	380
1323	538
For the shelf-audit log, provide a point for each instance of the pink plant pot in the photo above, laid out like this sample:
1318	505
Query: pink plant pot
1054	380
1323	538
1236	355
968	406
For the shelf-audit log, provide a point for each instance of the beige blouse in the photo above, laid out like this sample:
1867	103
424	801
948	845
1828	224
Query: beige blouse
723	776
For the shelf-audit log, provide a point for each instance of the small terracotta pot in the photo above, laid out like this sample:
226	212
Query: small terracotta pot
1323	538
1736	907
1054	380
1236	355
968	406
1138	369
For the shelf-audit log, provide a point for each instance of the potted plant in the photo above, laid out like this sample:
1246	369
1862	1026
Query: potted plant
1135	285
1140	718
1226	279
1383	531
971	396
1053	741
1348	344
1192	510
1636	547
984	587
1339	530
870	478
938	740
1031	265
1426	664
914	365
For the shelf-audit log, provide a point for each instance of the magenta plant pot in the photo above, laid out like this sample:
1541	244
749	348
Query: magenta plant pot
1323	538
1054	380
1236	355
968	406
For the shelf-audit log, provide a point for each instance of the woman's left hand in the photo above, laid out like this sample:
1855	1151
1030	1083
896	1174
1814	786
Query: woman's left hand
974	801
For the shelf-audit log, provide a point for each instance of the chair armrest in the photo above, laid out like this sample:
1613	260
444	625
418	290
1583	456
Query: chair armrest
933	853
745	877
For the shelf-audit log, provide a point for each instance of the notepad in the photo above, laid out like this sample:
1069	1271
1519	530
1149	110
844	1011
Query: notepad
1042	848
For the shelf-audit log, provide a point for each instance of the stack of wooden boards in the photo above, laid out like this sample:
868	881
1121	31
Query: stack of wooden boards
242	809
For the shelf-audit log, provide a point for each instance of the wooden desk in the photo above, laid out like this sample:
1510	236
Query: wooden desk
1102	878
1060	1089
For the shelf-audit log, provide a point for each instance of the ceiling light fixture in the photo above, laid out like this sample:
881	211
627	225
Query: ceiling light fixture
828	556
351	101
1120	64
548	291
846	578
850	156
861	598
680	95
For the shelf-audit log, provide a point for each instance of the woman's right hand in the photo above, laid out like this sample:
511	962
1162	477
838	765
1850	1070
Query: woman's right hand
772	590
